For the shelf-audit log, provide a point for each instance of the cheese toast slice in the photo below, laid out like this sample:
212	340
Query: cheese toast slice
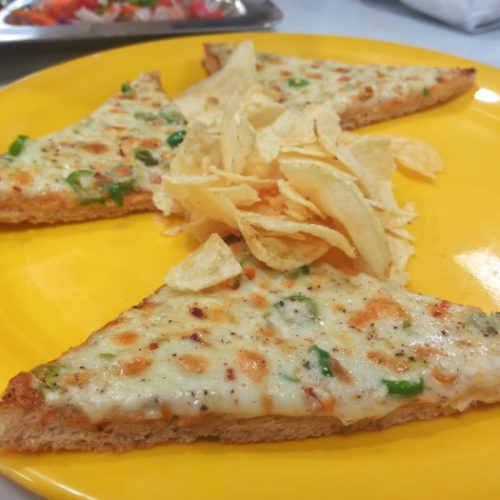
102	166
264	356
361	94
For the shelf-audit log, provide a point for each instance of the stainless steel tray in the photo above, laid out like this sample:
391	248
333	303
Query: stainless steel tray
245	15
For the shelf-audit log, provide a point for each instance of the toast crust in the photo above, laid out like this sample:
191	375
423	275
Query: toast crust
451	84
56	207
28	424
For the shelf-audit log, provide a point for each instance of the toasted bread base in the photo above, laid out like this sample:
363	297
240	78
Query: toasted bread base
456	82
56	207
66	430
453	83
27	423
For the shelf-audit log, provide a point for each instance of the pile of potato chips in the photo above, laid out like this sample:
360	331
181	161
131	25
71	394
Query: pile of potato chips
293	184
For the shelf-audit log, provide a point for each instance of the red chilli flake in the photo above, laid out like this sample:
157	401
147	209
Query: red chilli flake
230	374
440	309
153	346
197	312
196	337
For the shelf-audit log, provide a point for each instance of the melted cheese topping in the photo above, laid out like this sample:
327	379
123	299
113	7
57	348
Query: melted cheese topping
104	143
345	85
258	349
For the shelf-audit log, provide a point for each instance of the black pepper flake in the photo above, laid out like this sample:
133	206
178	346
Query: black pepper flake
400	353
203	407
307	365
444	333
205	392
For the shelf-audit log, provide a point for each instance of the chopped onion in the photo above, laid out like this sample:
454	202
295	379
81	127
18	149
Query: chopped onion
112	13
87	16
143	14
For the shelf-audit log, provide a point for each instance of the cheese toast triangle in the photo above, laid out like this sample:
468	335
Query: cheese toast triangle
102	166
361	94
262	356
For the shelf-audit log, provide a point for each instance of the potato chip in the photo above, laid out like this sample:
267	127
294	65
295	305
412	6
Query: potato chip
241	196
237	136
283	226
416	155
241	179
291	181
287	191
210	264
327	126
281	253
212	92
401	251
343	201
201	227
374	153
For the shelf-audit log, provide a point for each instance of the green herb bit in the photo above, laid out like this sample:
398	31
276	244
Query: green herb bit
267	315
290	378
117	189
324	361
404	388
176	138
173	116
298	82
148	117
47	374
426	92
73	179
303	270
126	89
311	304
16	148
107	356
406	324
144	3
145	156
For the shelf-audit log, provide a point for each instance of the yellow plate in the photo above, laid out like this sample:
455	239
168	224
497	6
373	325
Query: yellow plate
59	283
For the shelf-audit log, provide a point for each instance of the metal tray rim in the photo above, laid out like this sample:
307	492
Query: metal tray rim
259	14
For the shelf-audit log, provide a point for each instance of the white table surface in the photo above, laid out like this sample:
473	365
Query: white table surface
374	19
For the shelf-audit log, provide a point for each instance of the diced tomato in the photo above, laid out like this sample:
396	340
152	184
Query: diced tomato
31	17
127	11
198	9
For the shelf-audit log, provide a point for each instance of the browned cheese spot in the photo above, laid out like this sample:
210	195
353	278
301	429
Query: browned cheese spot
267	404
126	338
135	366
95	148
20	177
192	363
252	364
381	307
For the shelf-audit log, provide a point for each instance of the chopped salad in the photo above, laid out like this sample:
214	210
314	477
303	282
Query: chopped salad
57	12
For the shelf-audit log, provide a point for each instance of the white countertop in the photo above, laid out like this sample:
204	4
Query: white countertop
374	19
389	21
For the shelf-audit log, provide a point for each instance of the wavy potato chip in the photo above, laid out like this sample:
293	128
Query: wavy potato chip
291	182
281	253
283	226
343	201
210	264
238	73
416	155
288	192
